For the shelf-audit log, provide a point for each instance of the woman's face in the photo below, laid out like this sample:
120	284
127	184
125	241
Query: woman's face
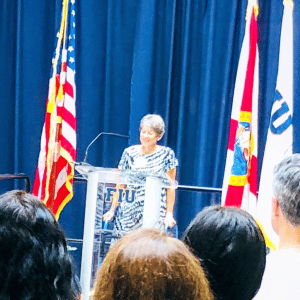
148	137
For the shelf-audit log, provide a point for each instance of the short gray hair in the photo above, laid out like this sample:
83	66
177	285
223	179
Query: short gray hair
286	187
155	122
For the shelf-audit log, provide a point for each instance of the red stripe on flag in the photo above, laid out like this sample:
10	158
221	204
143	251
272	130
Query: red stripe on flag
232	134
47	200
69	89
248	88
234	196
63	193
43	190
61	163
47	129
67	145
69	118
252	179
36	184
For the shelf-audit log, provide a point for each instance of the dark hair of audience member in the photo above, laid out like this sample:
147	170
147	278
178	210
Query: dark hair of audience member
232	250
147	264
34	262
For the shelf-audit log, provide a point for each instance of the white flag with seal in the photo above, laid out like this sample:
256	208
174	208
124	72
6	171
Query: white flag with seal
280	134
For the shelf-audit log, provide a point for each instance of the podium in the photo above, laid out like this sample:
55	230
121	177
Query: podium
101	184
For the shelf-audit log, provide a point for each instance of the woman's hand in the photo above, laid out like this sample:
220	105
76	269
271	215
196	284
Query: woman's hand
169	220
108	216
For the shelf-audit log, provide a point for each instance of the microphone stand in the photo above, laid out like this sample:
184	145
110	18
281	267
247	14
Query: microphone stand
105	133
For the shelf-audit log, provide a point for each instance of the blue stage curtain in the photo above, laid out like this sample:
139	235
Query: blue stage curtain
172	57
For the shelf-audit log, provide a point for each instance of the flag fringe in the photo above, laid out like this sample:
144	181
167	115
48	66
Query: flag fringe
268	241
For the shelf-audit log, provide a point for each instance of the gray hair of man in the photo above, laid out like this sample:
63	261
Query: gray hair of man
155	122
286	188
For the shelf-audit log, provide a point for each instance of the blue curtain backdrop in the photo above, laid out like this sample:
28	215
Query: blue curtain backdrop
177	58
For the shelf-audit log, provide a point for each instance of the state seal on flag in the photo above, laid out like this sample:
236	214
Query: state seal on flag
241	150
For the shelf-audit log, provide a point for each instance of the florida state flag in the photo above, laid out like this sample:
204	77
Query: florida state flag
240	178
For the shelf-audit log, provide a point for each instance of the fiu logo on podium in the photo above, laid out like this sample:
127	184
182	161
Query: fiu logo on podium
124	194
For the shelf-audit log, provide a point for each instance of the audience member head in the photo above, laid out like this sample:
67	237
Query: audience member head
231	248
147	264
286	189
34	262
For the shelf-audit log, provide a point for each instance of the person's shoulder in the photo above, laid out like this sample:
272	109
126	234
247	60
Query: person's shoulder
280	279
166	149
285	254
169	157
169	152
276	260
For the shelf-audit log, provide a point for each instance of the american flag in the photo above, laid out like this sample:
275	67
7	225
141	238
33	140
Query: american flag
54	174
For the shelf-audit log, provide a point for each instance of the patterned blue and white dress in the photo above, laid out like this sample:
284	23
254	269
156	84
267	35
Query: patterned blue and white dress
130	215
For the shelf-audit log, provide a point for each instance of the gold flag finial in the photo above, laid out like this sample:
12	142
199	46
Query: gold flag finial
290	3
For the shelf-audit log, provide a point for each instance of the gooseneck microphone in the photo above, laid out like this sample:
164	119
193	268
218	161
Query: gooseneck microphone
102	133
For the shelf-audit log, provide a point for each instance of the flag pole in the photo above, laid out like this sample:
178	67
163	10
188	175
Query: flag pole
54	166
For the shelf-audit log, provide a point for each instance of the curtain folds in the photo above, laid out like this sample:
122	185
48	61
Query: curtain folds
177	58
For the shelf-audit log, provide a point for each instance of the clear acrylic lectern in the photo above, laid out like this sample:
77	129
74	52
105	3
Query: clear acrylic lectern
101	183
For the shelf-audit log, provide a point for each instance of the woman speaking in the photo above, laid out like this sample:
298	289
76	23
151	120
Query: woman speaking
147	157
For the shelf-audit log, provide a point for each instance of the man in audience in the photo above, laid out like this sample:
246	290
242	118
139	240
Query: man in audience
282	274
34	262
231	248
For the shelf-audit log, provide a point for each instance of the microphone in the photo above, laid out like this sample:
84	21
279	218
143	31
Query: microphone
105	133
